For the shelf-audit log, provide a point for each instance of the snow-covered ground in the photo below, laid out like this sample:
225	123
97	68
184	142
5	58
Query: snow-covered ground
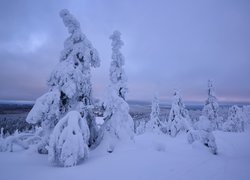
150	157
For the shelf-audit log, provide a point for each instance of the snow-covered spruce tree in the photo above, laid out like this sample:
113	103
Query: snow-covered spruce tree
204	134
69	83
154	124
211	107
235	121
118	125
178	119
69	140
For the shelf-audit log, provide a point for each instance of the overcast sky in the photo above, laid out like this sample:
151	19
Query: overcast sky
169	44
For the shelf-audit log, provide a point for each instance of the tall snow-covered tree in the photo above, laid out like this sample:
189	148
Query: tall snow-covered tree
118	124
178	119
235	121
69	84
211	107
154	124
118	77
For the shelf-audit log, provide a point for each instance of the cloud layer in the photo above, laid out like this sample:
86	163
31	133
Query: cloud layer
168	45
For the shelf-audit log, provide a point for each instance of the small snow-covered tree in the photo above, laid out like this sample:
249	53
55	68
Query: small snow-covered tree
2	141
47	112
1	133
235	121
204	134
69	140
118	124
154	124
211	107
178	119
140	126
69	83
246	112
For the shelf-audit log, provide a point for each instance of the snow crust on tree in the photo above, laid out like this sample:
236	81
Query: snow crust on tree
235	121
178	119
68	142
118	125
204	134
78	44
154	124
46	110
211	107
69	83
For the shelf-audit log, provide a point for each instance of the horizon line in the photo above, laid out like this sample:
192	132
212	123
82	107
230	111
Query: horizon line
11	101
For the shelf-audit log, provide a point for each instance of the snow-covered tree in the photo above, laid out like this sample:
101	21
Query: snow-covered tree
118	77
235	121
45	111
211	107
118	124
178	119
140	126
204	134
69	83
246	112
69	140
154	124
2	145
1	133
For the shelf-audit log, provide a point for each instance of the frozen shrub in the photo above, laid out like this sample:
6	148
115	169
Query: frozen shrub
6	144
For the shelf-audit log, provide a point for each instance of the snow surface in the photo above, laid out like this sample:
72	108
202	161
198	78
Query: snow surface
150	157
